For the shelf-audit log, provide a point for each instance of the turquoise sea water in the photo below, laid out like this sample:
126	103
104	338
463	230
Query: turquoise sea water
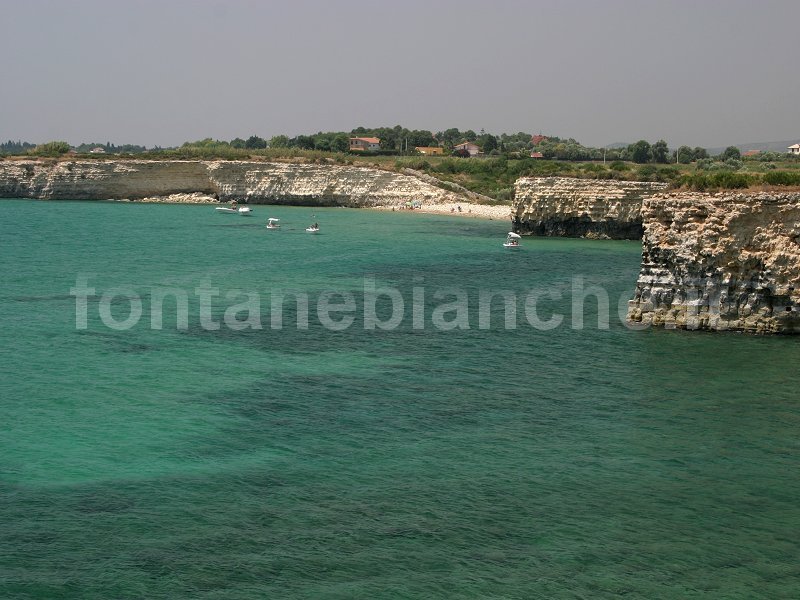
411	463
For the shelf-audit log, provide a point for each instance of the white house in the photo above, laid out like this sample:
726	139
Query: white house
473	149
794	149
362	144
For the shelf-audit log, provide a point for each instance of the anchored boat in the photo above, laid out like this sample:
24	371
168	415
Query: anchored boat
512	241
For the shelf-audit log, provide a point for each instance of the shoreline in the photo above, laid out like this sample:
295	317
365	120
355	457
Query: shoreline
468	209
476	211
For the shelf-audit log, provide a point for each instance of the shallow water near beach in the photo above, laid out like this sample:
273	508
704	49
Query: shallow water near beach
406	463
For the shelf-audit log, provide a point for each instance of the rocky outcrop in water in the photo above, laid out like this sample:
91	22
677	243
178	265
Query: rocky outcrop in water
562	206
724	262
245	181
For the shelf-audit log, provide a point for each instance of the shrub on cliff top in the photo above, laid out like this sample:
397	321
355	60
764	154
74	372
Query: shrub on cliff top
781	178
51	149
618	165
725	180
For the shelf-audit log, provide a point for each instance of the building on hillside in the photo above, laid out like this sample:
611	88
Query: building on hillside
470	147
537	155
794	149
538	139
97	150
362	144
429	150
751	153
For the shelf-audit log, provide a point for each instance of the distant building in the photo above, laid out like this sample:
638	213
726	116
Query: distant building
97	150
361	144
537	155
794	149
429	150
751	153
538	139
470	147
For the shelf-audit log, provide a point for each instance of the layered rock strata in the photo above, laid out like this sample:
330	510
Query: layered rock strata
562	206
723	262
245	181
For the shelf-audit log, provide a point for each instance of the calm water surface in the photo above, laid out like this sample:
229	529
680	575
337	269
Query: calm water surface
374	464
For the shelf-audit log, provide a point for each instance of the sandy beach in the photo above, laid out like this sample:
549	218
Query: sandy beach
478	211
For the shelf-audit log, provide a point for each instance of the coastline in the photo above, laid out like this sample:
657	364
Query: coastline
476	211
472	210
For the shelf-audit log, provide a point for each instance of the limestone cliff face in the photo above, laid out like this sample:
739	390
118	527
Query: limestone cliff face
255	182
723	262
562	206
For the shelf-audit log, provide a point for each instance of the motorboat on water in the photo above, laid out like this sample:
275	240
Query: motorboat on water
273	223
512	241
235	209
313	228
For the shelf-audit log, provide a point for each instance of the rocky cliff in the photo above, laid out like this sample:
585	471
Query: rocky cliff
254	182
561	206
723	262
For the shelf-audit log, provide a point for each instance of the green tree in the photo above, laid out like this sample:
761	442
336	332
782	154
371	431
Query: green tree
279	141
51	149
685	155
639	152
238	143
659	151
700	153
487	142
450	137
306	142
255	142
730	152
340	143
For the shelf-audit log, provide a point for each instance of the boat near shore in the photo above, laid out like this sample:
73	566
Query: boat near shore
245	211
512	240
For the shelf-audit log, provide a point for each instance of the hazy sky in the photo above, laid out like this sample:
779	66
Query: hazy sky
706	73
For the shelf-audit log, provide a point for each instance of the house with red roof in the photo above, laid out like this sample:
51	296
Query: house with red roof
362	144
470	147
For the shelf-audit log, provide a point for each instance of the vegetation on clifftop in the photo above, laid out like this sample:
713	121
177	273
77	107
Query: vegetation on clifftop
505	158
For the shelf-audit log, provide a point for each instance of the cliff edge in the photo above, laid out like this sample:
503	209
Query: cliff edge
725	262
591	208
245	181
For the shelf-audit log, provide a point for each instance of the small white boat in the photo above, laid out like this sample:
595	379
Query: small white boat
512	241
313	229
272	223
235	209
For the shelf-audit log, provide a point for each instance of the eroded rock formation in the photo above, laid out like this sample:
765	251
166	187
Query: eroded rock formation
723	262
254	182
562	206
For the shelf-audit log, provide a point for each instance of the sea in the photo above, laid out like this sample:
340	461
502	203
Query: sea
193	406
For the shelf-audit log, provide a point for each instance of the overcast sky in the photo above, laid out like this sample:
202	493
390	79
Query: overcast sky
707	73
